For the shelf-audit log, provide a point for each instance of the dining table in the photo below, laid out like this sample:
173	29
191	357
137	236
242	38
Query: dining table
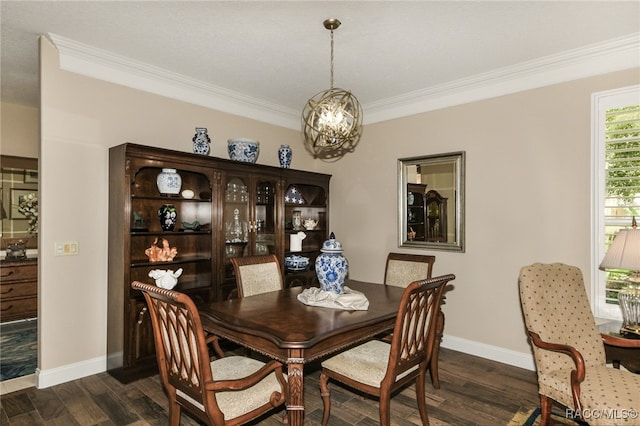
279	326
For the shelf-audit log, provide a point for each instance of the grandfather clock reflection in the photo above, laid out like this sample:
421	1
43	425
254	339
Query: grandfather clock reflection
436	217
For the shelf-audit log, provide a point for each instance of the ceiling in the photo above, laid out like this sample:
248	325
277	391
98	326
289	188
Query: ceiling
276	54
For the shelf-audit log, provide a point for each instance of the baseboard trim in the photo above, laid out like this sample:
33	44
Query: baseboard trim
66	373
494	353
69	372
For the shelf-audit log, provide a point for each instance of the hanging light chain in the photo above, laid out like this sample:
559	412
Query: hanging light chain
331	86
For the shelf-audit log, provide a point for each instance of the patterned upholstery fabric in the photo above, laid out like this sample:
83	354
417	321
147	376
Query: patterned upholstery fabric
260	278
366	363
402	269
234	404
401	273
555	306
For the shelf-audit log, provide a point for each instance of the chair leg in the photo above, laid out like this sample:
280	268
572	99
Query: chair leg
433	365
385	407
545	406
174	413
421	399
326	398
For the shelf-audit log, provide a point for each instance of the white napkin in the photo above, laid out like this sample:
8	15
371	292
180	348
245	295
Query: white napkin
349	299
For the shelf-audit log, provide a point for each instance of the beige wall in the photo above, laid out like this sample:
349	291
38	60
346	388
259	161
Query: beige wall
528	198
20	134
81	119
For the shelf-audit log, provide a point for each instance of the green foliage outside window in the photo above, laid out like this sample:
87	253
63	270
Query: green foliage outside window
622	181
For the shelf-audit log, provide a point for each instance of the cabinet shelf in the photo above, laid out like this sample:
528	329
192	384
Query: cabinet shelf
170	198
176	261
169	233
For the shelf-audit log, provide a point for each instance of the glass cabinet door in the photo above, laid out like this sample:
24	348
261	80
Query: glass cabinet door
249	219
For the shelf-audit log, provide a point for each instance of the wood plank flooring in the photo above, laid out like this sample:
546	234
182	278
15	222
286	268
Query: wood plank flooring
474	391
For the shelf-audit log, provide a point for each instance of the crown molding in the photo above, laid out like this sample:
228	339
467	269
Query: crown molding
600	58
89	61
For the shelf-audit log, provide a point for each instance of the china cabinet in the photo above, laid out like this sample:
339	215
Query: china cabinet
19	289
416	214
223	209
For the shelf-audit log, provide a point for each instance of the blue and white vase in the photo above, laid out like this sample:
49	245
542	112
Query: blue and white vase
169	182
201	141
284	155
331	266
168	216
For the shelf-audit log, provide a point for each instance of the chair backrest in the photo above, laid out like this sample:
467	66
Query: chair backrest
181	350
555	306
257	274
403	269
415	328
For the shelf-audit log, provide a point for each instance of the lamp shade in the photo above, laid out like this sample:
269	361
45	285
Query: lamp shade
624	252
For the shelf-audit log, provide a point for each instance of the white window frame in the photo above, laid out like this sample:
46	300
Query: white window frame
600	103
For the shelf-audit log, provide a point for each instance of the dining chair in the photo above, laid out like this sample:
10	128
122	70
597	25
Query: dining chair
402	269
257	274
231	390
569	351
380	368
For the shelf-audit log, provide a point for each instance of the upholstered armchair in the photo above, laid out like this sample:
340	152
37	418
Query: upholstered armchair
232	390
379	368
402	269
569	352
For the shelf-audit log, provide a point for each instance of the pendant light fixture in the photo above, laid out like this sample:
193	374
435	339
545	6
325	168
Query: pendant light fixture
332	119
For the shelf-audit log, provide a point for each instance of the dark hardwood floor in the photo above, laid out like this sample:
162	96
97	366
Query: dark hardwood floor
474	391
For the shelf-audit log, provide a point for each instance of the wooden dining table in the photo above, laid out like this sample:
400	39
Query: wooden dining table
279	326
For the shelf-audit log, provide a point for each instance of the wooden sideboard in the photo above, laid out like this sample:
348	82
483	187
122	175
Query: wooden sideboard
19	289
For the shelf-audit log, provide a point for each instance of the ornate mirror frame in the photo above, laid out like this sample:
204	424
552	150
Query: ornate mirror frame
439	181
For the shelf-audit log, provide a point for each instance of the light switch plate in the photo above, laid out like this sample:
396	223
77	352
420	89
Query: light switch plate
67	248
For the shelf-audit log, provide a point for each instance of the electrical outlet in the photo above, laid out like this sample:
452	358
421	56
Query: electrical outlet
67	248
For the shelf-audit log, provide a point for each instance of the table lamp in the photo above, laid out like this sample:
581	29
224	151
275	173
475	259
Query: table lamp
624	254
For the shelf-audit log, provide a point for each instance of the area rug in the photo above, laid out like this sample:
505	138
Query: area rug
531	417
18	350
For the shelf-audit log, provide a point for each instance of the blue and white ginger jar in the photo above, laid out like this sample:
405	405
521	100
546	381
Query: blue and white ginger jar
331	266
201	141
169	182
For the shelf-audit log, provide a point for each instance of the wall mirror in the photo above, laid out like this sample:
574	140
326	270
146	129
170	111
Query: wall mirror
18	190
431	202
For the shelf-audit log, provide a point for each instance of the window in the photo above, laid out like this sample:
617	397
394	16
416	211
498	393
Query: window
616	185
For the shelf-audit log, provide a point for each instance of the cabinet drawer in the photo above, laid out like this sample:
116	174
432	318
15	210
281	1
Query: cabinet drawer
18	308
19	273
18	289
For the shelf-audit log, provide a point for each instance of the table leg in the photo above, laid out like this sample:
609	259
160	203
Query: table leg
295	380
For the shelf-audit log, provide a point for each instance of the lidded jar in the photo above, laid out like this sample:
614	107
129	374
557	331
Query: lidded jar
331	266
169	182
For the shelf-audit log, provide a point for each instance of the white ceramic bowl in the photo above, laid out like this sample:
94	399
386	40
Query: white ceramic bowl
244	150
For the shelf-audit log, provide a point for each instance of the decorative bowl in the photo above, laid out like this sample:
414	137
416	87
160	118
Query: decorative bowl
296	263
244	150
